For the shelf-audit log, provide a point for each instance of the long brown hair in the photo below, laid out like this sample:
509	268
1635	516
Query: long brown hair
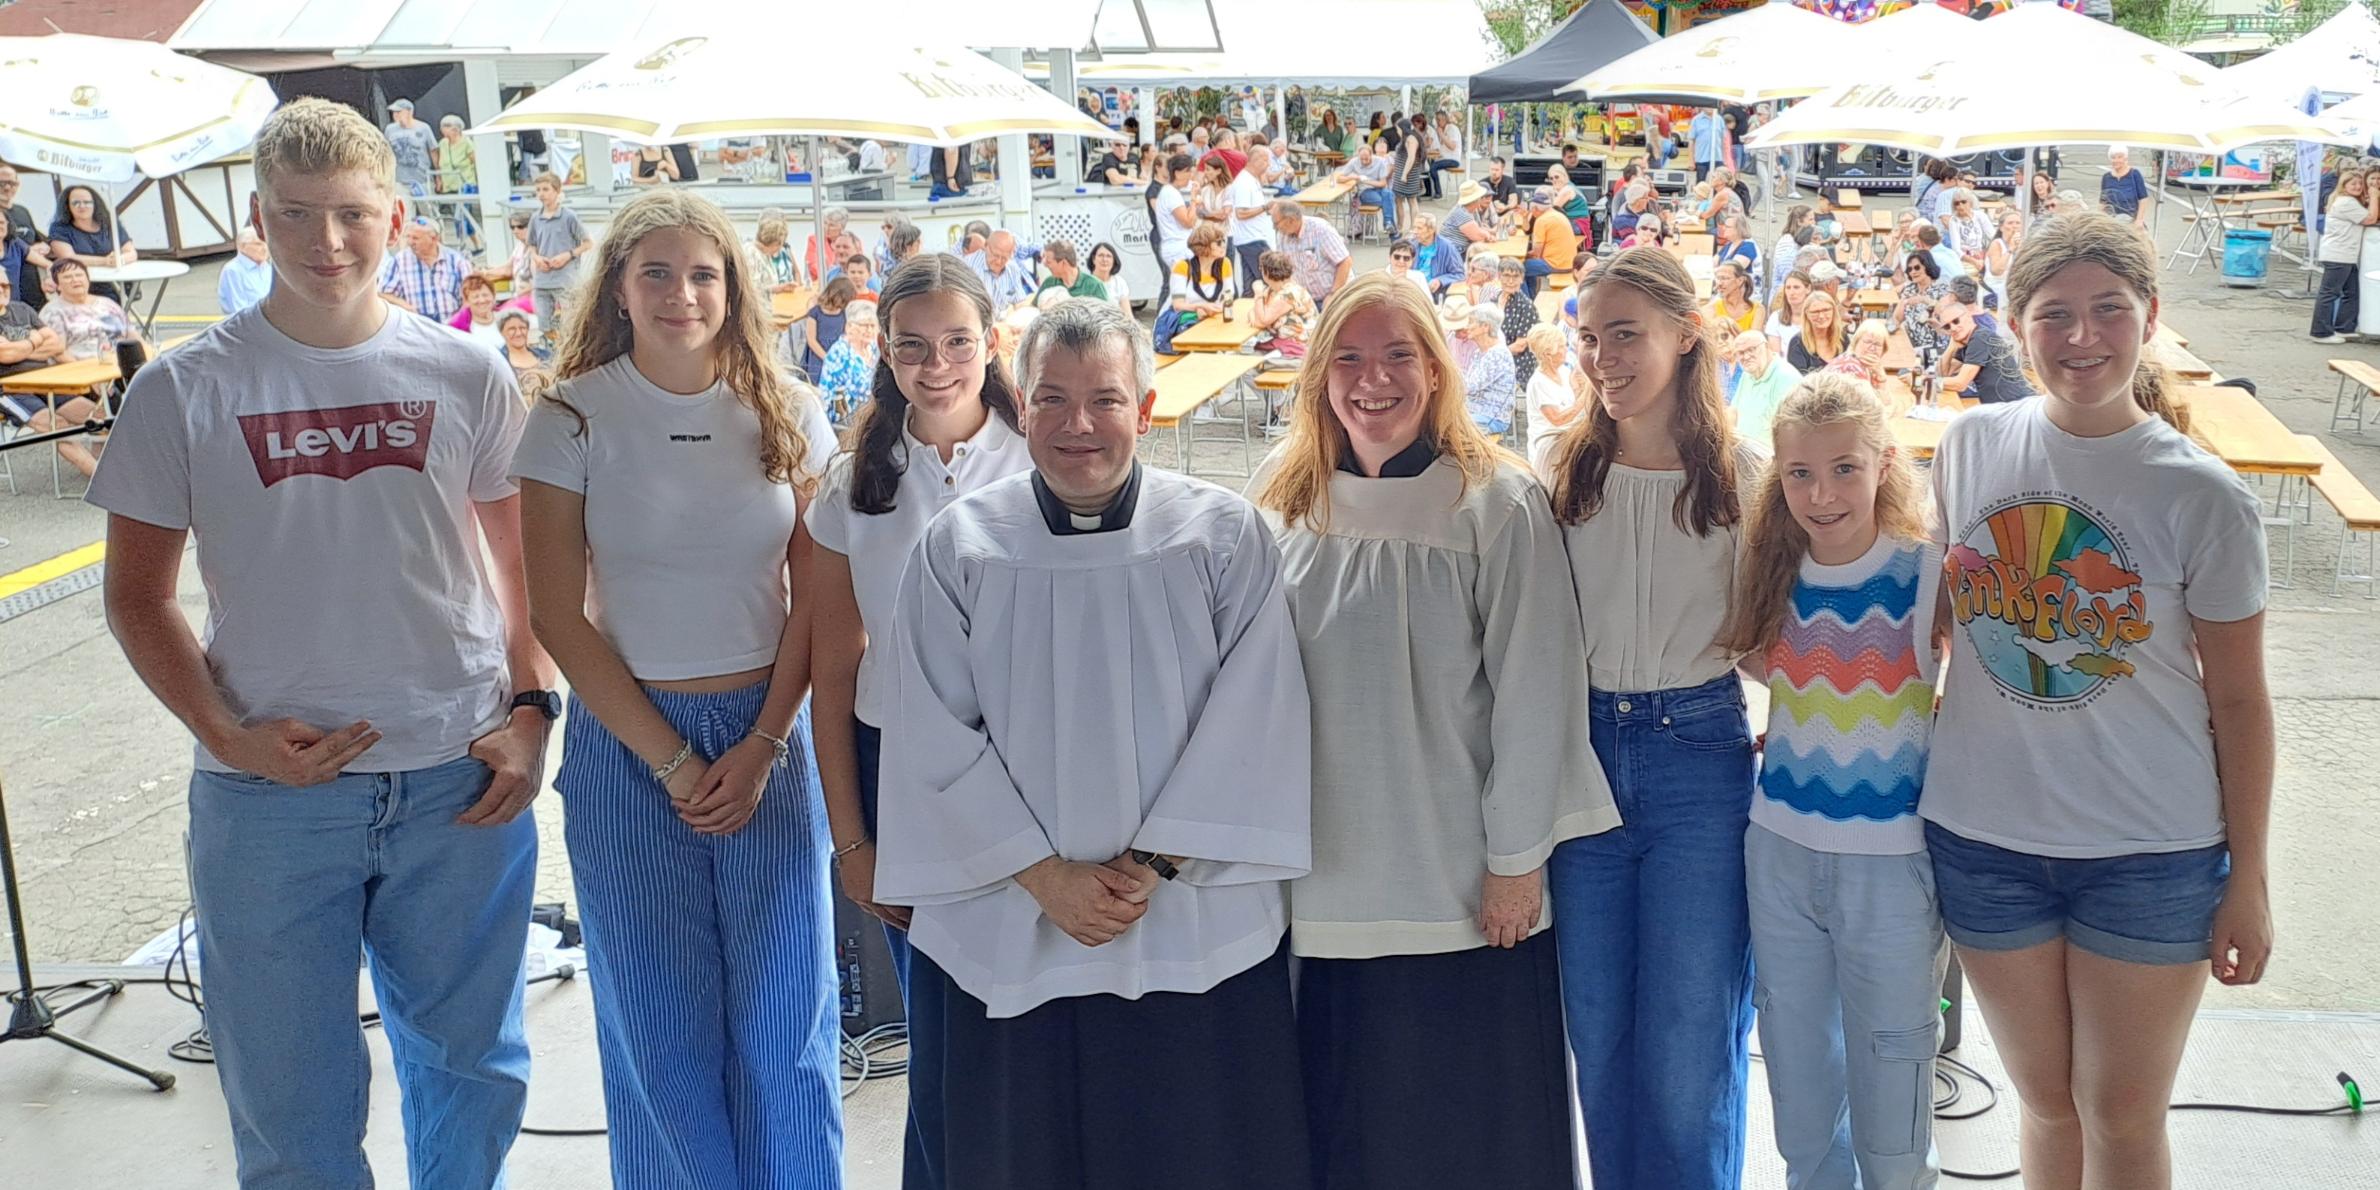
1698	419
2120	248
878	460
1299	488
596	329
1775	543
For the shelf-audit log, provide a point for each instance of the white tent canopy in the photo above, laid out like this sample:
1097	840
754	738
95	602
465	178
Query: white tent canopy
1320	43
2341	57
369	31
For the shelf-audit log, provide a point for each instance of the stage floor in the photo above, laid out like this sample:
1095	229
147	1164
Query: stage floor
69	1123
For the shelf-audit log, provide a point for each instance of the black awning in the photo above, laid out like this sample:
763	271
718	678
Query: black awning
1599	33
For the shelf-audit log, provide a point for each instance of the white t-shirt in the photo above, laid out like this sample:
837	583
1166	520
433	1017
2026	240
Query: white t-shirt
1247	191
331	495
1173	239
486	332
1117	291
878	546
2342	231
1544	390
871	157
686	538
2073	720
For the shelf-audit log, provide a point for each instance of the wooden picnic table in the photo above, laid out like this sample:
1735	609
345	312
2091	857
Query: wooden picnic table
2231	424
1899	354
1847	199
2242	432
1874	299
787	308
1326	192
2253	197
2167	334
2184	365
54	385
73	378
1853	223
1218	334
1516	247
1186	385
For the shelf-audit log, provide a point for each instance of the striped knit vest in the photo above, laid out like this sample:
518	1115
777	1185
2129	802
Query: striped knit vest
1850	714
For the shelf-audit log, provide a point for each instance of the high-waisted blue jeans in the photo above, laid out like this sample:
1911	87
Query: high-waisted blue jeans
1656	945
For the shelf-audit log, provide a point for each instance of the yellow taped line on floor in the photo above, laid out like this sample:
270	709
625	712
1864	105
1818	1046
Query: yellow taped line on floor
58	567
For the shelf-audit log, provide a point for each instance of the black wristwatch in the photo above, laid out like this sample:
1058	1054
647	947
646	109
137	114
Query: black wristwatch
1164	867
545	701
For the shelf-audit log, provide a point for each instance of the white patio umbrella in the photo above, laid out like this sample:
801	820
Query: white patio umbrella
2341	56
1775	51
2115	88
727	82
110	110
702	86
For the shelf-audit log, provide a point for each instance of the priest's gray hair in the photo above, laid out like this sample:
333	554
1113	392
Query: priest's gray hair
1083	325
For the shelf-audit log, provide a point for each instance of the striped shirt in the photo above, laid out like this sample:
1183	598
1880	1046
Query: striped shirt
434	289
1851	704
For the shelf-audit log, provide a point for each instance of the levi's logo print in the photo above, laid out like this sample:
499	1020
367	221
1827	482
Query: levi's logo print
2049	599
340	443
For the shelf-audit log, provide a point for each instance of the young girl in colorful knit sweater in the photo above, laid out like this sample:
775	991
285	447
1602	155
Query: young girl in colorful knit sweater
1834	609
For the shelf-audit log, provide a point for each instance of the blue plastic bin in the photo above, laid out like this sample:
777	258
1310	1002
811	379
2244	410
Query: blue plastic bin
2246	253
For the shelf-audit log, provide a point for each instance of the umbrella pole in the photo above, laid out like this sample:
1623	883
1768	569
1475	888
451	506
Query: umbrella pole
817	221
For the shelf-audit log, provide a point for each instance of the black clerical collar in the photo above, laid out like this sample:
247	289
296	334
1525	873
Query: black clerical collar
1405	464
1065	522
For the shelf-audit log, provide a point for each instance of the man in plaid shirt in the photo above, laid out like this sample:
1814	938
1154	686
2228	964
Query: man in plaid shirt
428	278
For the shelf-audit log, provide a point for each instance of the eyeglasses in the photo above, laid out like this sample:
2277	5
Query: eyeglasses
957	349
1400	256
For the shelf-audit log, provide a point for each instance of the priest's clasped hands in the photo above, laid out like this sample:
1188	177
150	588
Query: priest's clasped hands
1093	903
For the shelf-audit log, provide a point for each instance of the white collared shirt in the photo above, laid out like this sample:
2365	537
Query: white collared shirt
879	546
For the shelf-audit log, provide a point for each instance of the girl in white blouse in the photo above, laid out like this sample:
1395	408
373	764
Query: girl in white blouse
941	423
1645	485
661	515
1444	667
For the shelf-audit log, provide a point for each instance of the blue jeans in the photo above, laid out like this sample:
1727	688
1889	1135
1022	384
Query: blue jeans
1656	950
293	885
1534	271
716	1012
1386	200
1850	958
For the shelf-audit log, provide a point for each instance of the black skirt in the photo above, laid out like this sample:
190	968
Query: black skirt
1431	1071
1168	1092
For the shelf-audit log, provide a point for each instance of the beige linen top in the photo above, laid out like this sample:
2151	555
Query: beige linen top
1653	597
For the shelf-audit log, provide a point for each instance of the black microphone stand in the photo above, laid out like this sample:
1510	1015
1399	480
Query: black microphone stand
30	1015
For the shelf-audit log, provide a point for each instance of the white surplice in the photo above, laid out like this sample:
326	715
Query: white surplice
1081	695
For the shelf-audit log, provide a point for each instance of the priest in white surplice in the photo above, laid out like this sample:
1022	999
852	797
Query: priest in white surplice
1094	790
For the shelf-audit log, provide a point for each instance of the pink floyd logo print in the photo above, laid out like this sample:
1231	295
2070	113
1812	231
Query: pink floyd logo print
339	443
2047	594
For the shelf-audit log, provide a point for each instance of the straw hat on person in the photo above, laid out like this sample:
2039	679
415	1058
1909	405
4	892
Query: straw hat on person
1470	195
1454	314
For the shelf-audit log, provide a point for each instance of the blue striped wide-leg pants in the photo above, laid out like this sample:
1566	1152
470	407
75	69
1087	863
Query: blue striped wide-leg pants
715	992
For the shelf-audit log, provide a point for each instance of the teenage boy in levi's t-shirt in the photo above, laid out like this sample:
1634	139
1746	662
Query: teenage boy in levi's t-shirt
366	697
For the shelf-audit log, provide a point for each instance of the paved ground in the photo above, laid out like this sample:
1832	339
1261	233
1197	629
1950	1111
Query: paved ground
95	771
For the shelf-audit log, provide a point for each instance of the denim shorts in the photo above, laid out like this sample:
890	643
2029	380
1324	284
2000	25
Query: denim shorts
2152	908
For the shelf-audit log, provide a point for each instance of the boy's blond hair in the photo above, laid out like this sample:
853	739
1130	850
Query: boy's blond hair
317	136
